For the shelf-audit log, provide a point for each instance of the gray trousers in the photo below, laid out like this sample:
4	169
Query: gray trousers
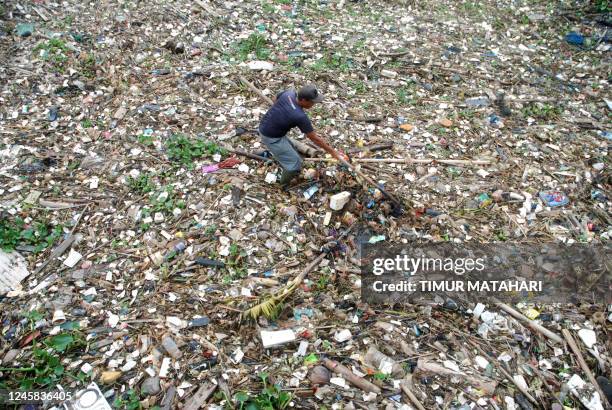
284	152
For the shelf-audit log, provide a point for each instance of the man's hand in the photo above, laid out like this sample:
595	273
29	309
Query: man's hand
343	156
321	143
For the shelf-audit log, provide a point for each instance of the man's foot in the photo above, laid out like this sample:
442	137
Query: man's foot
286	178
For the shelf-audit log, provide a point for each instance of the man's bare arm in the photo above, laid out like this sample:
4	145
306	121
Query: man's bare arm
323	144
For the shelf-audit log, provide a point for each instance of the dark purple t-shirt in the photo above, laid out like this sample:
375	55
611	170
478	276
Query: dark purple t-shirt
284	115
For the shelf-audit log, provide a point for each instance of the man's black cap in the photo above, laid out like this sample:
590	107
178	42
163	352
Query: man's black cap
310	93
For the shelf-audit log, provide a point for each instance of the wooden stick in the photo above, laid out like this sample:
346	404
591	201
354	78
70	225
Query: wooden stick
61	248
372	148
371	182
303	148
246	154
505	373
205	7
256	90
411	396
298	279
351	377
408	161
41	14
199	398
487	386
530	323
585	368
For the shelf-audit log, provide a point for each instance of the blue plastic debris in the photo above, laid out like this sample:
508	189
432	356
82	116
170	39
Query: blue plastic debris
477	102
199	322
310	191
598	195
554	199
53	114
495	121
298	313
606	134
432	212
397	398
24	29
377	238
161	71
574	38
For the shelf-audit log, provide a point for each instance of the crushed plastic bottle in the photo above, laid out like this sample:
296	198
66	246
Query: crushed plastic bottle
477	102
484	200
310	191
554	199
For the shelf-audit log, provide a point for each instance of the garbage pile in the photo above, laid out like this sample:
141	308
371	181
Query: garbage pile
149	258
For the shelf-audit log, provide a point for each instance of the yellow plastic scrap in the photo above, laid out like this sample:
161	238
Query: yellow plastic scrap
532	314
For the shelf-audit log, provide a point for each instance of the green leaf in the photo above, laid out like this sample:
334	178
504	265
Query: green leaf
28	234
34	316
241	397
264	377
70	326
284	399
60	342
311	359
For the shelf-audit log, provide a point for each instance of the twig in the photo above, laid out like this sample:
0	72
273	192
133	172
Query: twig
411	396
505	373
585	368
486	385
79	219
530	323
351	377
372	148
61	248
408	161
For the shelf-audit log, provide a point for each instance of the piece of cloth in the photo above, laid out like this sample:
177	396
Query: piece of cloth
284	152
231	162
228	163
285	114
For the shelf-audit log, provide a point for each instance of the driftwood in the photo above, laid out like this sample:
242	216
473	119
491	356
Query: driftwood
166	403
199	398
585	368
408	161
303	148
428	366
505	373
411	396
57	252
351	377
372	148
245	154
530	323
